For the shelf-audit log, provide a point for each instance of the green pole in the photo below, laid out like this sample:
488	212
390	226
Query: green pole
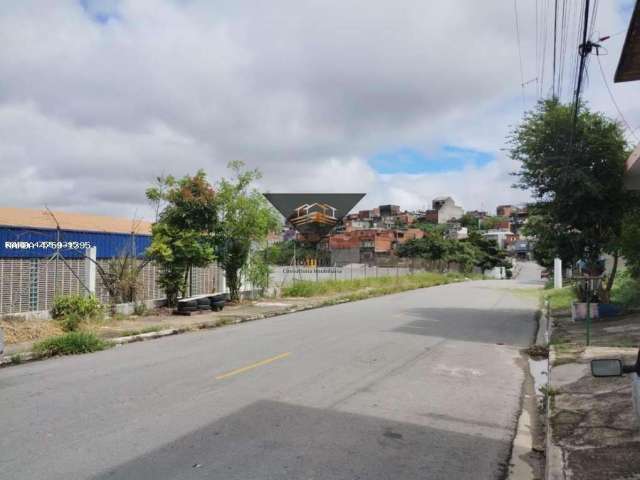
588	312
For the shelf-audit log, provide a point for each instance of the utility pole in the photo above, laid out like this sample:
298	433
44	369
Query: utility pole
584	49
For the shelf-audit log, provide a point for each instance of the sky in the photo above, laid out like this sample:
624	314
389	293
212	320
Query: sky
403	101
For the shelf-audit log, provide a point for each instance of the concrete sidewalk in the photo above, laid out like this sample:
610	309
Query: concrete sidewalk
593	434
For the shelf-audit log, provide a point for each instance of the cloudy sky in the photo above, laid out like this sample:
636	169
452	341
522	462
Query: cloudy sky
403	100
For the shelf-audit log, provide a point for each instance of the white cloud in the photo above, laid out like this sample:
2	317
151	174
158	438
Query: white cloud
91	111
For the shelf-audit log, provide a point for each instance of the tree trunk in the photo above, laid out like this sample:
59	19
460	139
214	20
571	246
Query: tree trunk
233	282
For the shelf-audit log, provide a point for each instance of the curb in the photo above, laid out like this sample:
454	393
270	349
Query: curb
554	465
25	357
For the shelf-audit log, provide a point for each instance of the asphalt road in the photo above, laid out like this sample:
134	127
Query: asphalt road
423	384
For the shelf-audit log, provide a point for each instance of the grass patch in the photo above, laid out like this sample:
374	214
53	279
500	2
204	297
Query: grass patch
360	288
560	298
71	343
16	359
17	330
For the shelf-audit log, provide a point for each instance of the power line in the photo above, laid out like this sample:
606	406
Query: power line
563	47
537	64
613	100
583	50
515	9
545	37
555	41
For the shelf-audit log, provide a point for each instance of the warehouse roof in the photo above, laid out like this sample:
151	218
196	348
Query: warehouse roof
33	218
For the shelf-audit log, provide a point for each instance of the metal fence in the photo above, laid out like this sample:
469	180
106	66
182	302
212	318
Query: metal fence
285	275
30	284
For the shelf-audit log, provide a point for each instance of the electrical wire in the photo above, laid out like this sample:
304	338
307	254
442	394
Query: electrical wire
515	9
615	104
555	43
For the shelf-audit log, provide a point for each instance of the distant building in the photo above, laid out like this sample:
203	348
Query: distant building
444	210
504	210
406	218
409	234
477	213
389	210
503	225
503	238
456	232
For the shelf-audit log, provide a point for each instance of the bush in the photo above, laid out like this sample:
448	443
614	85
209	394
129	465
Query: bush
71	343
626	290
70	323
139	309
72	310
83	306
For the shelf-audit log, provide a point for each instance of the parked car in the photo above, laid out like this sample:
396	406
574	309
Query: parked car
544	274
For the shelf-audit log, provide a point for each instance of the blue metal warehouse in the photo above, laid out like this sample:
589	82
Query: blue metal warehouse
29	277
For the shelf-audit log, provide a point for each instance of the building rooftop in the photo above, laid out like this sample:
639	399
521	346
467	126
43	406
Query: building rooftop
629	64
34	218
632	176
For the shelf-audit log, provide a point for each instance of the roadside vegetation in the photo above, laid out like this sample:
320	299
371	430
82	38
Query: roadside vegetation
560	298
475	251
71	343
71	311
369	287
198	223
582	210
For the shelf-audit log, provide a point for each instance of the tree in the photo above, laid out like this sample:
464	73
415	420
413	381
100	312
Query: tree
281	253
488	253
463	253
470	221
244	218
576	174
489	223
183	234
429	247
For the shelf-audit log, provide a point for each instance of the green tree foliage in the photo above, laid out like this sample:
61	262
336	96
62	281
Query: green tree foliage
183	234
488	254
436	229
281	253
475	251
470	221
429	247
577	179
489	223
244	218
